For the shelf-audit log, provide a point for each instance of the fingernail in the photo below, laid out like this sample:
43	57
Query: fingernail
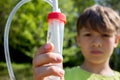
62	72
47	46
59	58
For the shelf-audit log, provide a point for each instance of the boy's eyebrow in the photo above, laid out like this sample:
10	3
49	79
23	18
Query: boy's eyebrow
88	30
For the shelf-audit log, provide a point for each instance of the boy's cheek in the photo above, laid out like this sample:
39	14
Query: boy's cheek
119	37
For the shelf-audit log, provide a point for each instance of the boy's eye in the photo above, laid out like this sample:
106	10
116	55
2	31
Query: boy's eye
106	35
87	34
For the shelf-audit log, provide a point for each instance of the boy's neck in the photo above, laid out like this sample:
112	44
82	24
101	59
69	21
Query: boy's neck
101	69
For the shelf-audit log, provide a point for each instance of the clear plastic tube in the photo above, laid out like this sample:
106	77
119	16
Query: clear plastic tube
56	34
54	4
6	34
56	21
53	35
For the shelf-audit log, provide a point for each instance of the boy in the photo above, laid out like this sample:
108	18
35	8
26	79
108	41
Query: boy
98	31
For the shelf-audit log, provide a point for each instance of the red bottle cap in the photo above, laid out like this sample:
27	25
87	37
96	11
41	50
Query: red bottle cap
57	15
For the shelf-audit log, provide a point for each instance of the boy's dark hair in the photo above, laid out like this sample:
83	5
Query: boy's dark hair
100	19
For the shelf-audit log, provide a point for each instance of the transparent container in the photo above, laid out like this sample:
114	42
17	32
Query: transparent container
56	22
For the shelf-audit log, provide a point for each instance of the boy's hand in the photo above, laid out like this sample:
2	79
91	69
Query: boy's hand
44	63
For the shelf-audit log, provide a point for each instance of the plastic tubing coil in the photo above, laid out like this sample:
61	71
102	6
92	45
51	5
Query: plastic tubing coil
6	34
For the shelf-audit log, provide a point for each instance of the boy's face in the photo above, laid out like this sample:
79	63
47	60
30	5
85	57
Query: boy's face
96	47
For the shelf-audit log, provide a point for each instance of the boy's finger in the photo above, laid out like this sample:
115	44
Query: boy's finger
45	48
47	58
45	71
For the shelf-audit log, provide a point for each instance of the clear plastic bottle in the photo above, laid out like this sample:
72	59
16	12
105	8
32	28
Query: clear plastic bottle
56	22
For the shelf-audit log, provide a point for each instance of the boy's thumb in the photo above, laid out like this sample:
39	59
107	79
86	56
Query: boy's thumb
49	46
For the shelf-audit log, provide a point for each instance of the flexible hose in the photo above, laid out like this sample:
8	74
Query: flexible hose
6	34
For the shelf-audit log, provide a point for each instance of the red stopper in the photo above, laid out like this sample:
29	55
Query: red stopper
57	15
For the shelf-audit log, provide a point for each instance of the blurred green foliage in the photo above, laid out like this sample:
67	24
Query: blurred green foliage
29	26
21	71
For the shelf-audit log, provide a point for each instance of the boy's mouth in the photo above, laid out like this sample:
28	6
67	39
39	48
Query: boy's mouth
96	52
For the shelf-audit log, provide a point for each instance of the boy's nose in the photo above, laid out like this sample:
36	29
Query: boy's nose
96	45
96	42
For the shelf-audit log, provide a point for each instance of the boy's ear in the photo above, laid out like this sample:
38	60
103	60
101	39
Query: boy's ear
117	40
